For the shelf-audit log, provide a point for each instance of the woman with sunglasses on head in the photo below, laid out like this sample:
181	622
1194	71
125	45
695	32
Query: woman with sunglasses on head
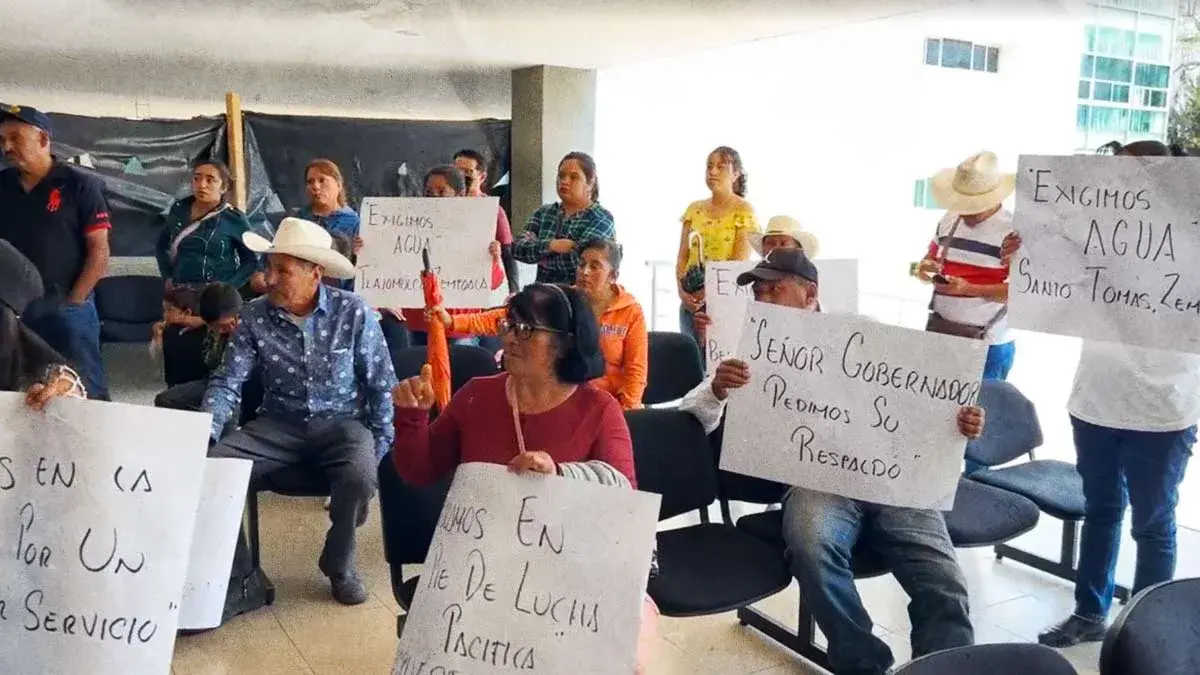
623	337
27	363
537	416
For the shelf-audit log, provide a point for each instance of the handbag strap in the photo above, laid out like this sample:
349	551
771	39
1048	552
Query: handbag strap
516	415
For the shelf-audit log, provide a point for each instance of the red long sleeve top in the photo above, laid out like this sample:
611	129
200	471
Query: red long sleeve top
477	426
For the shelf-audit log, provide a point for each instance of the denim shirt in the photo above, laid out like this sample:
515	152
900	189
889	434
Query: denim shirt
330	364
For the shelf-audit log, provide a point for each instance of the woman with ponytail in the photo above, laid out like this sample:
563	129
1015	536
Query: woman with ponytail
552	237
716	229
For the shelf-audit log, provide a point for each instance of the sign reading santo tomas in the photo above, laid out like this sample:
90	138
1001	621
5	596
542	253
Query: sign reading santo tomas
852	407
1110	247
456	231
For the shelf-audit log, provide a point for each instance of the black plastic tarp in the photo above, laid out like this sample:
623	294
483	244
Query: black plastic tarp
377	157
145	165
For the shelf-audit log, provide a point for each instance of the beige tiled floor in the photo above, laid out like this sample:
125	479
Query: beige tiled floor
305	632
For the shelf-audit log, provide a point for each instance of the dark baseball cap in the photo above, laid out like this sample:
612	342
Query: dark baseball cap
779	264
27	115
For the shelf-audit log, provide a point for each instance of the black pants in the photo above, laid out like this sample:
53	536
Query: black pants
183	355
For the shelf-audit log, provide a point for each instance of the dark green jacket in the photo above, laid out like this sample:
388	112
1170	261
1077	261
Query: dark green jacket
212	252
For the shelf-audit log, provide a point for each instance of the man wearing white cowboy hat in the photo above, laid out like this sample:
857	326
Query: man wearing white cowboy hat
785	232
965	263
327	379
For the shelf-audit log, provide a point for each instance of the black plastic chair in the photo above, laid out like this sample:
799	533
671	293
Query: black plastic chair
995	659
128	307
675	367
707	568
293	481
408	516
1156	633
466	362
1054	486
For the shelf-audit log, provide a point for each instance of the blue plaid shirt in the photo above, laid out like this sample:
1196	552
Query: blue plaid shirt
547	224
332	363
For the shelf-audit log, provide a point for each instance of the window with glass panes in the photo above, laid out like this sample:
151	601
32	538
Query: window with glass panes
923	194
1125	71
961	54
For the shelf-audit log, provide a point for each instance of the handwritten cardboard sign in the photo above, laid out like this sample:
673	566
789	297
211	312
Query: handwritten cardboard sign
725	301
849	406
1109	250
218	517
531	573
457	232
97	505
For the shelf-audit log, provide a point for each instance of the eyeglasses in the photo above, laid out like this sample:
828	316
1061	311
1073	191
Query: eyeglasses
522	330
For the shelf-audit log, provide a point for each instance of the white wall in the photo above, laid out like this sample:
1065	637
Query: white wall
834	128
180	88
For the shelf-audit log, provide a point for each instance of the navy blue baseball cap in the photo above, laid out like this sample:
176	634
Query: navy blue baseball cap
27	115
779	264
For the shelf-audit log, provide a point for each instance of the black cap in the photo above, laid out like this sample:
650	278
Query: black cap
20	282
27	115
780	263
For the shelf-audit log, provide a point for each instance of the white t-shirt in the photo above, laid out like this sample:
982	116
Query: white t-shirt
1136	389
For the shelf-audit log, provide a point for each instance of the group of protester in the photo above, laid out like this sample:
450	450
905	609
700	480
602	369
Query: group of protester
574	348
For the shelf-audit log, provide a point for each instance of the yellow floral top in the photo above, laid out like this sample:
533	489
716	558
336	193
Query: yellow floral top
718	233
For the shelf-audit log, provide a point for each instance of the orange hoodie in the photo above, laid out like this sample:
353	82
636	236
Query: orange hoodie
623	342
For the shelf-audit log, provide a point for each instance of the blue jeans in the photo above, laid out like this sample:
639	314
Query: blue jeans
1119	467
74	332
999	360
821	530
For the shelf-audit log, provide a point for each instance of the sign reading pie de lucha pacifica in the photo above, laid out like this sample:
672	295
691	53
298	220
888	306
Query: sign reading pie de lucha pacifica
1109	249
531	573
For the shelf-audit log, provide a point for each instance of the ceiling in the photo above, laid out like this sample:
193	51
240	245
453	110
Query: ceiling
431	35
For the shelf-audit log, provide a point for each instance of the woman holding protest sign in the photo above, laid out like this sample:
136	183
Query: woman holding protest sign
538	416
1133	416
624	341
26	361
447	181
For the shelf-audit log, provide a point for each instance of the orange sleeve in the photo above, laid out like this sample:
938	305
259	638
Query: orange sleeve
634	362
480	323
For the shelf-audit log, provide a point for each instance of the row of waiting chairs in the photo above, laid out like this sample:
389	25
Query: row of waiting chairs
710	567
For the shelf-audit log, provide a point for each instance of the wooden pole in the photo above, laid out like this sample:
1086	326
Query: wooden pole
237	156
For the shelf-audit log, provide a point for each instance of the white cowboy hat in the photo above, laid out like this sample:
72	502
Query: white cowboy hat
974	186
787	226
304	240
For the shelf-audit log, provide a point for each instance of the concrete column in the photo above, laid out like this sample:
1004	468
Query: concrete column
553	113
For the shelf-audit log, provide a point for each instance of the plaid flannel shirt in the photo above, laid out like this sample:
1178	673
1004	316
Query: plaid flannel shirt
547	224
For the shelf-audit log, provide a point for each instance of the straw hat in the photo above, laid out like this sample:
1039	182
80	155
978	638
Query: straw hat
304	240
787	226
974	186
